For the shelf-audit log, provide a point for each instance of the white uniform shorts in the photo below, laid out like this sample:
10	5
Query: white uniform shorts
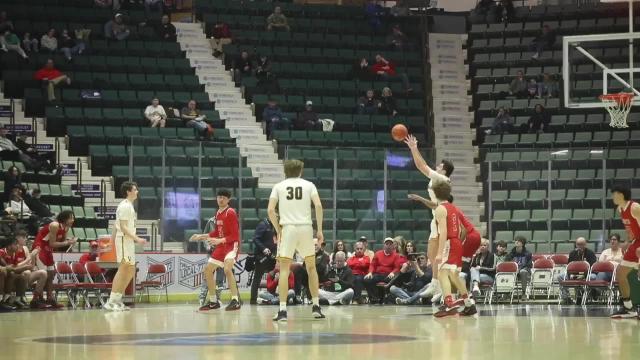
125	250
296	237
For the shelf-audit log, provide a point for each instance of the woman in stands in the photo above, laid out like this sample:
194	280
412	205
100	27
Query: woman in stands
53	236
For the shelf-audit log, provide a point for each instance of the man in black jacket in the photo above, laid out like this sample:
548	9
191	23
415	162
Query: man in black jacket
580	253
523	258
339	288
322	267
265	252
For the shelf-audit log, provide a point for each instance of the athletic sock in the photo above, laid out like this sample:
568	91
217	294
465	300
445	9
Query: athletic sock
234	298
283	306
114	297
467	300
627	304
316	301
213	298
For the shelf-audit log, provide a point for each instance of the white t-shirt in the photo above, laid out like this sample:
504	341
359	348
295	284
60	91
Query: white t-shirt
294	200
154	111
435	177
125	212
608	255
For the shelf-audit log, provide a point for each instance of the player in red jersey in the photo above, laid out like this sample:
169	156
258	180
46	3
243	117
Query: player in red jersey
226	239
20	263
53	236
449	256
630	214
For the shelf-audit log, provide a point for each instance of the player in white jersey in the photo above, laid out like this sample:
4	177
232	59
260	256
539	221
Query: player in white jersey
440	174
292	222
124	237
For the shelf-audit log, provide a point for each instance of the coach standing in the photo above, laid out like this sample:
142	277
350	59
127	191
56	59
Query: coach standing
265	254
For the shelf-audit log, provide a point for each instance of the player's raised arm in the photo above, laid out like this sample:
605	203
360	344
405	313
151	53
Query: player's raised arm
317	205
418	160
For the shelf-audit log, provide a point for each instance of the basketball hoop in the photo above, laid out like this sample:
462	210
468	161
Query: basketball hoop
618	106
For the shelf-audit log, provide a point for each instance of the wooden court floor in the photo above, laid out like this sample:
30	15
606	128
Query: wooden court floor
354	332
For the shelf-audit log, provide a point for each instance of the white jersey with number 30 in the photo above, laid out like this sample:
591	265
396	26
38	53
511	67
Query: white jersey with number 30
294	200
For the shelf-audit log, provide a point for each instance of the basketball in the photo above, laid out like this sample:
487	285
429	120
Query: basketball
399	132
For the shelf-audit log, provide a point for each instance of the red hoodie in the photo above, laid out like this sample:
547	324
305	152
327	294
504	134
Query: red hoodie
385	264
272	283
48	74
389	68
359	265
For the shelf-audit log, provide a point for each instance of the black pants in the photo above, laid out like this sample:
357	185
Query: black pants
262	267
358	285
370	284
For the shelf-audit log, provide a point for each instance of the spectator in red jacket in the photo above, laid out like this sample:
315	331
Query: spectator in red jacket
52	76
386	70
359	264
385	265
270	296
220	36
92	255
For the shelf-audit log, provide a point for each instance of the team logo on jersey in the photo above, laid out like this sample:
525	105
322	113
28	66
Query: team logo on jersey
190	273
167	278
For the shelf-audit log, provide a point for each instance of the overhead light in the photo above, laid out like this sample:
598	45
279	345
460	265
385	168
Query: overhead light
560	152
596	151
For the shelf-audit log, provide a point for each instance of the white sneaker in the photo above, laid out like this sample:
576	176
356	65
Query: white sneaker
122	306
429	291
110	306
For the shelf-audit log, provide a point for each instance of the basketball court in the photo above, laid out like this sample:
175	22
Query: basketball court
364	332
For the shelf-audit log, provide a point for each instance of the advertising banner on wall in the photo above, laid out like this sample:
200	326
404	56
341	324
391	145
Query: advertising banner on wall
184	271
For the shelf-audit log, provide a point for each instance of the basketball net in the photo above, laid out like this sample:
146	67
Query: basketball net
618	106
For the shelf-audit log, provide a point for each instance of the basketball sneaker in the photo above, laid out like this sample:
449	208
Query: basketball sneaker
469	311
624	313
400	301
110	306
38	304
54	304
281	316
122	307
233	305
210	306
317	312
447	311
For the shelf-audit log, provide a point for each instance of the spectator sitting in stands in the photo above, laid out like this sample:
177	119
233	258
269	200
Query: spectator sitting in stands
502	123
166	30
32	198
155	114
532	88
242	66
19	209
387	104
220	36
10	41
374	13
45	160
92	255
397	40
82	34
367	251
580	253
151	6
263	70
277	20
539	121
420	274
194	119
505	10
308	119
518	86
338	246
484	7
340	287
385	265
116	29
322	267
29	44
386	70
368	104
270	295
483	268
11	151
544	41
49	42
52	77
613	254
520	255
12	179
501	252
401	246
548	87
69	46
359	264
362	71
273	118
5	23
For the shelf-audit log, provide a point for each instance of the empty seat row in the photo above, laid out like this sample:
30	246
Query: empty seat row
333	87
598	138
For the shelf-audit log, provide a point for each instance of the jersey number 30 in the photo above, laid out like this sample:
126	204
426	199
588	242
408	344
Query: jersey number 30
294	193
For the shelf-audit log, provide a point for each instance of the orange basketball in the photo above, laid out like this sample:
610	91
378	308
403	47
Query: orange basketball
399	132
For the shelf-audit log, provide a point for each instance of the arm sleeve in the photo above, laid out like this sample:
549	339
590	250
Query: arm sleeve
591	258
347	279
274	193
603	256
314	190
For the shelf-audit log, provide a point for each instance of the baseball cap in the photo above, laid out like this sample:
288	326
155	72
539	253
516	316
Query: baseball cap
93	243
363	238
309	102
388	240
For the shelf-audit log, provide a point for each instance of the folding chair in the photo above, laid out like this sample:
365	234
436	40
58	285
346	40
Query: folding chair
560	268
84	287
542	276
536	257
67	282
576	268
100	284
155	280
505	280
601	286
